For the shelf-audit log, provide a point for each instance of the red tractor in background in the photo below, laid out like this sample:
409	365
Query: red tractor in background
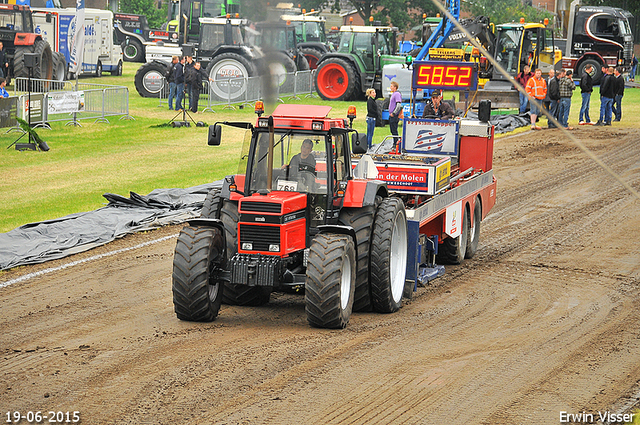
18	36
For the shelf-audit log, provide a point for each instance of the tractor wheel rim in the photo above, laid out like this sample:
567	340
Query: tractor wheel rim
333	81
345	283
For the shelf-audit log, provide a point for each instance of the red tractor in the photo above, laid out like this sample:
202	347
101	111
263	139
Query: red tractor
19	38
296	219
354	232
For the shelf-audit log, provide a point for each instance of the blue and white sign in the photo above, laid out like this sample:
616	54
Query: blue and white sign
430	137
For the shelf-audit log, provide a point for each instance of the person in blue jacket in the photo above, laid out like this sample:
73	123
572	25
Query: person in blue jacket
3	91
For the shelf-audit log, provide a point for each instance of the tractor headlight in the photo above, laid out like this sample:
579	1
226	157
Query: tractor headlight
274	247
247	246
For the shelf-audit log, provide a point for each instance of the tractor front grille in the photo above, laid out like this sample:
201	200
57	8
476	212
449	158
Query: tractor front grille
259	236
264	207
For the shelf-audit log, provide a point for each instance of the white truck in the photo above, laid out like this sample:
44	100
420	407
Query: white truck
101	50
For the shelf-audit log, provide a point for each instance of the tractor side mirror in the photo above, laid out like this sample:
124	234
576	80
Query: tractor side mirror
215	134
358	143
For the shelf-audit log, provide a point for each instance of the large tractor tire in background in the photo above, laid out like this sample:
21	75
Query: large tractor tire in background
44	70
281	68
336	79
361	220
59	66
302	63
312	55
230	65
133	51
389	256
331	281
150	79
197	291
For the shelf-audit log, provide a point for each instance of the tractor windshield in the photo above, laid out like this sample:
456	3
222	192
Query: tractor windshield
309	31
299	163
12	20
213	34
277	38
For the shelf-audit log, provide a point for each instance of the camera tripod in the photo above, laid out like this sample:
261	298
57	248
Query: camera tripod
185	113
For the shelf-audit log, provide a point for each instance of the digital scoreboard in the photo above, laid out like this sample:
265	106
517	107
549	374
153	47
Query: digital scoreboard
445	75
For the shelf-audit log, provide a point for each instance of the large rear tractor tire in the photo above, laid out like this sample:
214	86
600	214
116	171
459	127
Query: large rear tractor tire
453	250
335	79
313	56
389	256
302	63
149	79
44	70
132	51
59	66
234	66
330	284
474	230
361	220
281	67
212	204
197	293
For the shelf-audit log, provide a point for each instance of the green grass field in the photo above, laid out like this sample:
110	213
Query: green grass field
131	155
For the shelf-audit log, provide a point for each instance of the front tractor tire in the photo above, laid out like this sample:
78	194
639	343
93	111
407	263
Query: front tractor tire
335	79
149	79
389	256
197	293
331	278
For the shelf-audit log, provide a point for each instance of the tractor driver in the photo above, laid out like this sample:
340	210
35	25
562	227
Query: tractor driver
437	108
304	161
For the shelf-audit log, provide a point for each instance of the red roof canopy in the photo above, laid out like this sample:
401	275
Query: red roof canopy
302	111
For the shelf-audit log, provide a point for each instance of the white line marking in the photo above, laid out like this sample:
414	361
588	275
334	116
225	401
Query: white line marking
75	263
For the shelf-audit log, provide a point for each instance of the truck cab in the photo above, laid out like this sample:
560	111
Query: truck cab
598	36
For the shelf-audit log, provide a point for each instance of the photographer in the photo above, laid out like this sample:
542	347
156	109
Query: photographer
194	78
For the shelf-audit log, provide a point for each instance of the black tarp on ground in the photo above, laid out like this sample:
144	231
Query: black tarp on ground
53	239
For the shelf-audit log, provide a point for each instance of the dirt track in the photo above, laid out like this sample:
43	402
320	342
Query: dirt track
546	318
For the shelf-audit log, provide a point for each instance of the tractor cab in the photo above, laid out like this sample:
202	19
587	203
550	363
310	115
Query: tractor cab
369	44
296	151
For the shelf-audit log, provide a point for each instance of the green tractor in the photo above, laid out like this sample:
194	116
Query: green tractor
357	64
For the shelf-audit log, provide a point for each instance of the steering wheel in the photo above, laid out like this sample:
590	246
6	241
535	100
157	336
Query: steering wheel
307	180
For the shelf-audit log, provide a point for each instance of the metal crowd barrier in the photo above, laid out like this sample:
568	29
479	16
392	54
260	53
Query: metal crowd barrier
232	92
100	100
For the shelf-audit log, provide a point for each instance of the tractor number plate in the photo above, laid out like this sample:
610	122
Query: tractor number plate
287	186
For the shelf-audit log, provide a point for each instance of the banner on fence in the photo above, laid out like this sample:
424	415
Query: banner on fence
65	102
8	111
33	108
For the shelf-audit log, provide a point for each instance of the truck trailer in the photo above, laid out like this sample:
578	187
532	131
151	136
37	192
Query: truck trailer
101	50
312	211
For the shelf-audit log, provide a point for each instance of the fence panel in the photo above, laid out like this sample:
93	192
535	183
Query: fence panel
100	100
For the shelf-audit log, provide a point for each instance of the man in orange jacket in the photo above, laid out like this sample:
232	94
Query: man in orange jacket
536	88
